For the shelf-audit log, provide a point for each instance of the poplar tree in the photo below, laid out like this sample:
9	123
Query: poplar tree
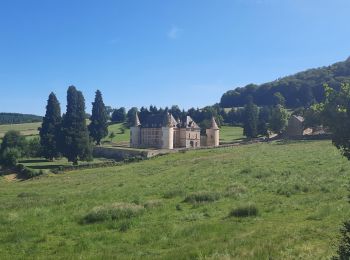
98	127
75	135
50	128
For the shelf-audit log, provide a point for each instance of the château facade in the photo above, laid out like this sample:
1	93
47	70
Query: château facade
164	132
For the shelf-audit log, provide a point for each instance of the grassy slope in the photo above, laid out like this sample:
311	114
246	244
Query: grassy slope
28	129
300	190
231	134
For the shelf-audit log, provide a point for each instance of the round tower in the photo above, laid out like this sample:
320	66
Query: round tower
213	134
135	133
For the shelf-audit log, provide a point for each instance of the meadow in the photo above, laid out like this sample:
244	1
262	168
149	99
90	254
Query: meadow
27	129
280	200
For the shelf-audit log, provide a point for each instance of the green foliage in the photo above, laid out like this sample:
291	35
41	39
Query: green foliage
9	157
244	211
98	127
336	116
302	89
50	128
313	116
344	246
15	118
26	172
74	135
119	115
250	127
278	99
33	148
264	118
13	139
131	115
278	120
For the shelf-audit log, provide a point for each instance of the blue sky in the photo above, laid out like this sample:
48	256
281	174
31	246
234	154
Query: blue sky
160	52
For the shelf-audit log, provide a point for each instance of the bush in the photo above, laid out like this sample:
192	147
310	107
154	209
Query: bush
114	211
244	211
33	148
9	157
28	173
203	196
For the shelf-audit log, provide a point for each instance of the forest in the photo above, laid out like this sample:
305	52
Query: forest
16	118
300	90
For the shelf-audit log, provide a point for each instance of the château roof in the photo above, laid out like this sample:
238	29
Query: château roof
137	120
214	125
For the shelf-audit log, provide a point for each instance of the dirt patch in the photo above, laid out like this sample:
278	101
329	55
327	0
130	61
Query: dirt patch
10	177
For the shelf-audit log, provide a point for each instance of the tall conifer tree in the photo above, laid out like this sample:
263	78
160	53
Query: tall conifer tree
75	135
98	127
251	114
50	128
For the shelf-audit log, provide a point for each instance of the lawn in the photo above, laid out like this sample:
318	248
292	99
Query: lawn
229	134
180	206
122	134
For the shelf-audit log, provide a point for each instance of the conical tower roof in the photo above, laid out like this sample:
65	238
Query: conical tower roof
214	125
137	120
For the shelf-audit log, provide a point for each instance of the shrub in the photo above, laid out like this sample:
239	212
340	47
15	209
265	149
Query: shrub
28	173
244	211
115	211
203	196
9	157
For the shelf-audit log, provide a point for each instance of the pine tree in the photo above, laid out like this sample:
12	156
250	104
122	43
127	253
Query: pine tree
250	127
75	135
98	127
50	127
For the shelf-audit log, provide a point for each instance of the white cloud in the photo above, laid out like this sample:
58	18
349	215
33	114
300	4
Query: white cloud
174	32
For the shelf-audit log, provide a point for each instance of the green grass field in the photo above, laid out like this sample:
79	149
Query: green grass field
138	211
28	129
229	134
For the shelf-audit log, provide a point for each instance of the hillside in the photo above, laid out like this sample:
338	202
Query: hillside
178	207
16	118
301	89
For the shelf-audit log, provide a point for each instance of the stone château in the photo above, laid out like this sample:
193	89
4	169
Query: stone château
164	132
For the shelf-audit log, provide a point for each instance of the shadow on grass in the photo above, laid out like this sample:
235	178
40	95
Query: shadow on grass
33	161
45	167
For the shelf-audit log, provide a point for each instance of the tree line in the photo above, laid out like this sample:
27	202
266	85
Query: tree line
300	90
16	118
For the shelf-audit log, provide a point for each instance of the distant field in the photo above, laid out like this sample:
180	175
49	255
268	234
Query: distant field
27	129
227	134
231	134
180	206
